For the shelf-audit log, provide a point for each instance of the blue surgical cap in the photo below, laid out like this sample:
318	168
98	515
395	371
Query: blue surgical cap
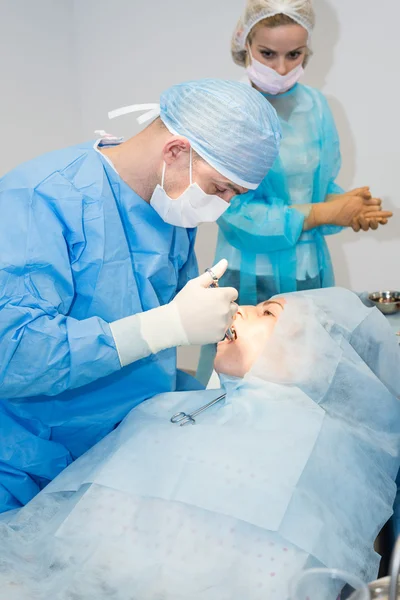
229	124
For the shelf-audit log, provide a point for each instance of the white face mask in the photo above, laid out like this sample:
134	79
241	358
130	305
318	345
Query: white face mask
268	80
191	208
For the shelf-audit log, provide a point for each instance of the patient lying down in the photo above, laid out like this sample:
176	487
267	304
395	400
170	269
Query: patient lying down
295	468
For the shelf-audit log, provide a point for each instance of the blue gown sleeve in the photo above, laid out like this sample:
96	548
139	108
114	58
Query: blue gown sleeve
42	350
263	221
331	160
262	226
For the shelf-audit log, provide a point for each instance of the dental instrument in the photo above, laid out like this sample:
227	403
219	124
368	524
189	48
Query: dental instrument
230	334
185	419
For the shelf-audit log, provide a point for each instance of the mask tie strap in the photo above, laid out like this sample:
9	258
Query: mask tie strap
163	175
191	166
108	139
250	54
152	112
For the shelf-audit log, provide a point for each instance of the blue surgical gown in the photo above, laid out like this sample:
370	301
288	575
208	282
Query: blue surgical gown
78	250
260	235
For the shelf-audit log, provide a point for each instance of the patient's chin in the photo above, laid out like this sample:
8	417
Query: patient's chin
231	370
230	361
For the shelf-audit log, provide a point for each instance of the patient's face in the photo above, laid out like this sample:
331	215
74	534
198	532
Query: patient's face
254	326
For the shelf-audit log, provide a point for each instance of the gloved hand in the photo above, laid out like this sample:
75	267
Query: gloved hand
206	313
349	210
371	215
198	315
371	220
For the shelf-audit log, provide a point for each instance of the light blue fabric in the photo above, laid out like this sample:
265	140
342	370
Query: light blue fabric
391	369
295	468
260	235
78	250
228	124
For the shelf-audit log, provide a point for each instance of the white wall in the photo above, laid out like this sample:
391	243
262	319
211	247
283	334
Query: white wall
39	100
57	67
131	50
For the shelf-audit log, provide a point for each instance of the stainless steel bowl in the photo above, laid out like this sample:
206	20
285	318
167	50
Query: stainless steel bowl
378	589
387	588
388	302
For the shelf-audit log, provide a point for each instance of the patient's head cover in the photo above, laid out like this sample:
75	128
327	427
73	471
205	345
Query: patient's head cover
296	468
328	341
330	349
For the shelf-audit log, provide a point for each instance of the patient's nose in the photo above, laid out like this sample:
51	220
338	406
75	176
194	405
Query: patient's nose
242	312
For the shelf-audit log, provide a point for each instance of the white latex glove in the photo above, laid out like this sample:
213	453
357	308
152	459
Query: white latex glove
206	313
198	315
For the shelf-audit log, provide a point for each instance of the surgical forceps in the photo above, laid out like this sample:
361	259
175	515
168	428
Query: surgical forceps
185	419
230	333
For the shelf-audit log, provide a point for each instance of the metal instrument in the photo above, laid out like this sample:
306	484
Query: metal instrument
185	419
395	572
386	588
231	333
387	302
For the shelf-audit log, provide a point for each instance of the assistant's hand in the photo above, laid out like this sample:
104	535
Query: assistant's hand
340	210
372	214
356	208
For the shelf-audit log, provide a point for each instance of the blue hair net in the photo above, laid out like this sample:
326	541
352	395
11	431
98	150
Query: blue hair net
229	124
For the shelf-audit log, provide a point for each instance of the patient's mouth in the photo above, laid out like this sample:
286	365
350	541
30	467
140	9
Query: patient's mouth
226	339
231	335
